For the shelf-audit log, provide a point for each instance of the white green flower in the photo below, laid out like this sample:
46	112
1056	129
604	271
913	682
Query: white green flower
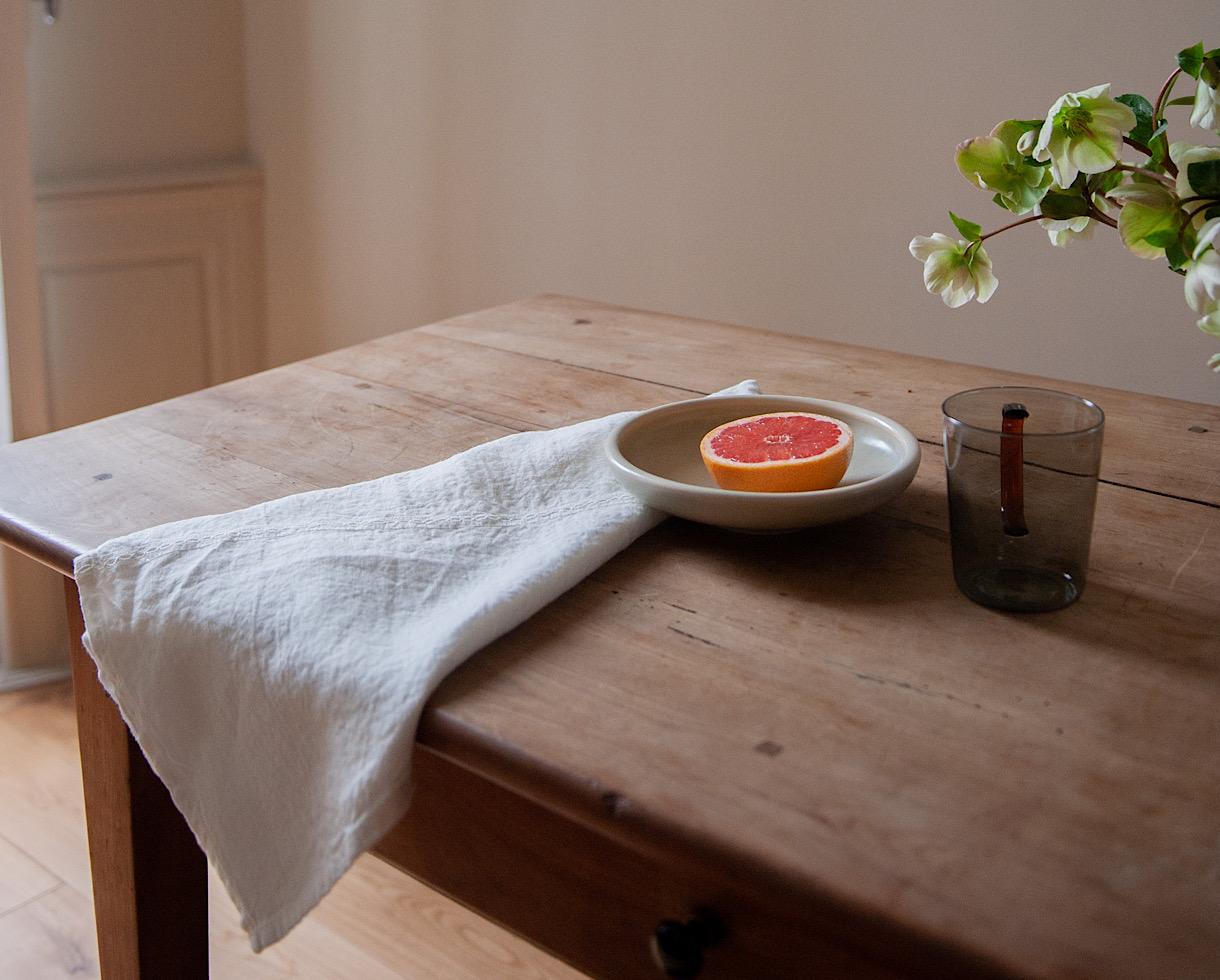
1211	324
1066	230
1184	154
958	270
994	163
1203	284
1149	207
1083	133
1209	236
1206	112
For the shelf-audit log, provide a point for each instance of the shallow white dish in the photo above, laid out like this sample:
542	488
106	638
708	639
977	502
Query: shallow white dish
656	456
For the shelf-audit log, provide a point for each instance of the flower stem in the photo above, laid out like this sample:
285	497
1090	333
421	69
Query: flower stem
1159	106
1139	146
1023	221
1169	165
1190	216
1101	216
1147	173
1158	116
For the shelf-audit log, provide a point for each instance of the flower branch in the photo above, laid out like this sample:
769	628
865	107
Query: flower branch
1065	172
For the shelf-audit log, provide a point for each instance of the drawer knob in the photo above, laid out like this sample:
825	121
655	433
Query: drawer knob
677	947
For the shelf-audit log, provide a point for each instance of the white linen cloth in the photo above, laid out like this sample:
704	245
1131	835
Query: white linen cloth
273	662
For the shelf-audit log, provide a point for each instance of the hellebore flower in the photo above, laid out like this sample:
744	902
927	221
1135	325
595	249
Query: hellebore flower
1211	324
1064	231
1206	112
1184	154
958	270
1203	286
994	163
1149	207
1209	235
1083	133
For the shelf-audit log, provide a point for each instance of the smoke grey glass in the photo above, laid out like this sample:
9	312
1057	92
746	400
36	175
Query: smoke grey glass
1020	537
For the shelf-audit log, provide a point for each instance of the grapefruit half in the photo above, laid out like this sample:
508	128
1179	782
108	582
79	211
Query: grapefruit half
780	452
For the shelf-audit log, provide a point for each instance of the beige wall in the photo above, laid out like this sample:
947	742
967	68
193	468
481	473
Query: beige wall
763	162
121	85
114	86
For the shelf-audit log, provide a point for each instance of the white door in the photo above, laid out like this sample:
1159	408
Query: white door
32	638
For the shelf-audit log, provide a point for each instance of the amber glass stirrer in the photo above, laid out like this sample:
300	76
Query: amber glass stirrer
1012	465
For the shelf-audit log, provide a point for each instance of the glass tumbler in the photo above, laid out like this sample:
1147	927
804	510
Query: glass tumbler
1022	468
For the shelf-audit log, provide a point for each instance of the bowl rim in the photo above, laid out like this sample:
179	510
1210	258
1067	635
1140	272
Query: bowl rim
910	457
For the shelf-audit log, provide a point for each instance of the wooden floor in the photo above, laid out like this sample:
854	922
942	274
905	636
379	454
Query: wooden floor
376	924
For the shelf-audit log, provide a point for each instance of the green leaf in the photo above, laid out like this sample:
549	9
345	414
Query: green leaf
1060	205
1204	177
1159	151
1190	60
1149	209
998	200
1142	133
1163	238
970	231
1212	212
1031	162
1184	100
1210	72
1175	256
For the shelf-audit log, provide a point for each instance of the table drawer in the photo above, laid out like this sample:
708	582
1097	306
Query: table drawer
590	900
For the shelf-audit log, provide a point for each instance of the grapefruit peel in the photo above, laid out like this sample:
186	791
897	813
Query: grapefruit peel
779	452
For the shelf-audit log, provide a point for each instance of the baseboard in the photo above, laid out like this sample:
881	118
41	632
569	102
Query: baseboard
15	679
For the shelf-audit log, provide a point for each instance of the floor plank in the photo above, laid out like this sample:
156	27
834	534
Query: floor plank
21	877
50	937
377	924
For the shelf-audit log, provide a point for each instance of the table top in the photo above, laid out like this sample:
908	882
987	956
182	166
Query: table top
822	711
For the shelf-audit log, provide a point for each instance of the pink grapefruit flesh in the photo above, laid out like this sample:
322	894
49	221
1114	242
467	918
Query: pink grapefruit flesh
781	452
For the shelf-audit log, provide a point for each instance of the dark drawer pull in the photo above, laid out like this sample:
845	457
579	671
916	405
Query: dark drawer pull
677	947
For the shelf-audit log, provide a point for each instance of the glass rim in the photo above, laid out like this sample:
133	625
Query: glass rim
1084	430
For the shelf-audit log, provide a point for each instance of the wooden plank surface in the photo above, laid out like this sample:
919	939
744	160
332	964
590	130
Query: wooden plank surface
376	924
1152	443
150	893
821	713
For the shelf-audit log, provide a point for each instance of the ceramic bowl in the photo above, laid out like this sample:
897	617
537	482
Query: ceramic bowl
655	455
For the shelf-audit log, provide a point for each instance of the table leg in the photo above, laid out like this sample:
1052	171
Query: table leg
149	875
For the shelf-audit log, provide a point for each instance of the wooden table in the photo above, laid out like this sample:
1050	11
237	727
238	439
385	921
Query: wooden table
814	736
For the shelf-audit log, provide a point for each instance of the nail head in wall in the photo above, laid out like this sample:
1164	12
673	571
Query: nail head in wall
99	477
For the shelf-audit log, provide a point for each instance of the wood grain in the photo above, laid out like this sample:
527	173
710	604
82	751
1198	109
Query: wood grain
21	877
50	938
1150	442
376	924
496	851
822	713
149	875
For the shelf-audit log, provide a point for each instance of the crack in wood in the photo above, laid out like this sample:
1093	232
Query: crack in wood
692	636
